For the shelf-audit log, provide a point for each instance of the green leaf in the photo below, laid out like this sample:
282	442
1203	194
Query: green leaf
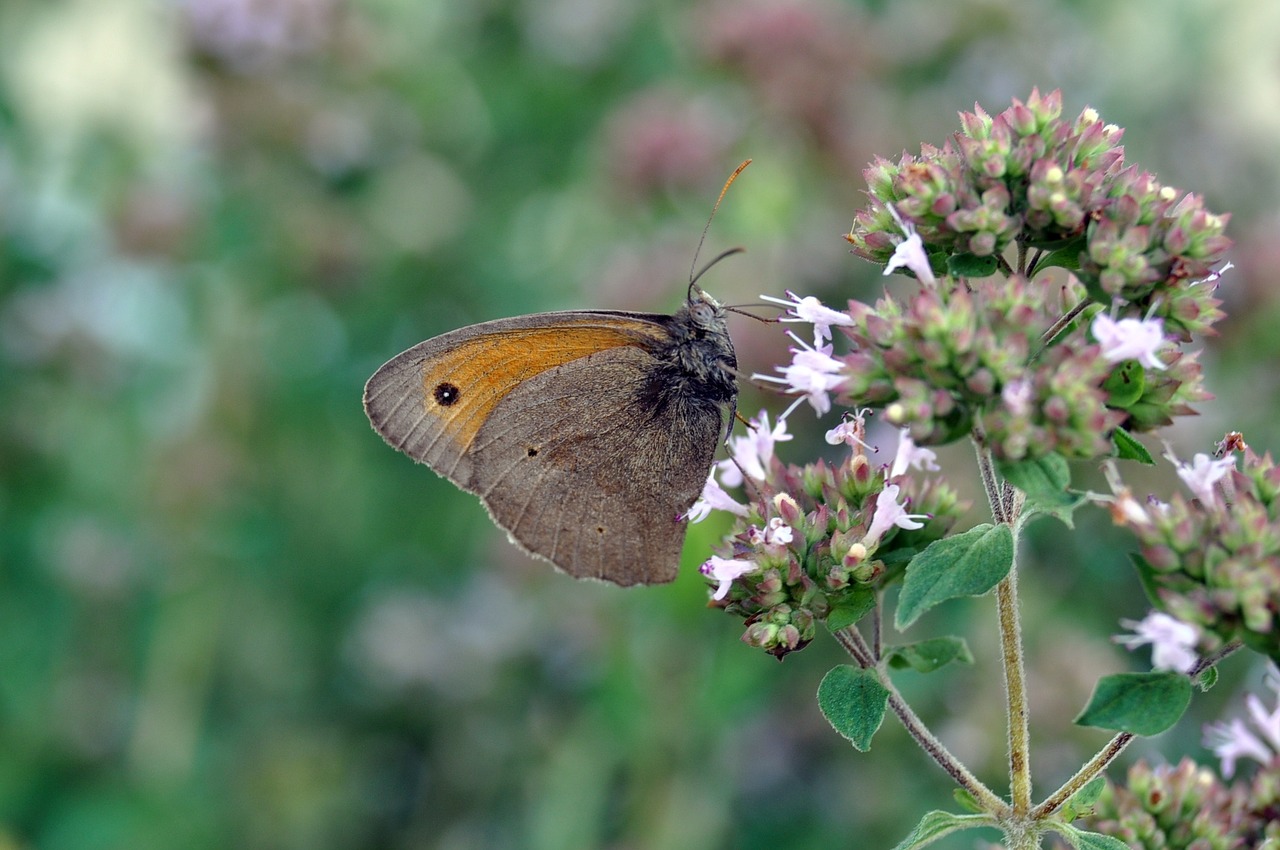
1085	840
971	265
937	824
1044	479
1125	385
1089	794
853	701
1064	258
1207	679
851	607
1064	511
1262	642
966	800
925	656
967	564
1148	576
1141	703
1128	448
1081	803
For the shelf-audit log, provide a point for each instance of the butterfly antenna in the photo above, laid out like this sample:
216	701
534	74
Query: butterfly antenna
737	308
693	278
693	281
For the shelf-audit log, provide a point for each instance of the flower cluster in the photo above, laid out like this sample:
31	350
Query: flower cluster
1039	363
949	359
1060	187
1188	808
1148	246
1213	560
817	541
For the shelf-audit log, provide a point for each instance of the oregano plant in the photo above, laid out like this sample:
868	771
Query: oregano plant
1046	293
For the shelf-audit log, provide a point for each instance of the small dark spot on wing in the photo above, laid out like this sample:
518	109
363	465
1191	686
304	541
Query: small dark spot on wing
446	394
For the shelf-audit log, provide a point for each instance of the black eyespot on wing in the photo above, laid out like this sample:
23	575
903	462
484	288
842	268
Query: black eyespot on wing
446	394
533	451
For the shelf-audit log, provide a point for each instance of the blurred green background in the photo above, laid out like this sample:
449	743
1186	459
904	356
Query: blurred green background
230	616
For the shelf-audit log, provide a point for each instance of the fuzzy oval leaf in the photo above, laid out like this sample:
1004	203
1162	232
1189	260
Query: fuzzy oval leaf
1082	802
1044	479
851	608
971	265
1089	794
853	701
925	656
1067	257
937	824
967	564
1085	840
1142	703
1128	448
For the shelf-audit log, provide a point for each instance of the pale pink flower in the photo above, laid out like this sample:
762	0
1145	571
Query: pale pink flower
851	430
1202	474
775	533
1173	642
912	456
752	451
910	252
714	498
1232	741
813	311
812	374
725	571
890	513
1017	395
1129	339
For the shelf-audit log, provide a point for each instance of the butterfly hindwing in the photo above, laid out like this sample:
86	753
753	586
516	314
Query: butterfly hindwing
599	496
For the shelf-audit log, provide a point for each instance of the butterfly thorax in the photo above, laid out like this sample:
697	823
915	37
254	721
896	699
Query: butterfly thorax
699	366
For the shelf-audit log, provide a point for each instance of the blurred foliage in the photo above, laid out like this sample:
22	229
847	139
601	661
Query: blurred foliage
231	617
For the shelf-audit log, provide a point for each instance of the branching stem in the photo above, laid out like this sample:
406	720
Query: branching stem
854	643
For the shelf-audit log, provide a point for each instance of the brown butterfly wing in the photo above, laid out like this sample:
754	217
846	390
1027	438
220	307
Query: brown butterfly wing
582	472
430	400
469	403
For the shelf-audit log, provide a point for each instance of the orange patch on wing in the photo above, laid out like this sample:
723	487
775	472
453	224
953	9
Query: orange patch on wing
484	369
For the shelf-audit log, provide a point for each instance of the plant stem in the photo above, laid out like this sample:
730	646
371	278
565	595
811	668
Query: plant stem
1005	503
1208	661
854	643
1060	325
1117	744
1095	766
987	470
1015	691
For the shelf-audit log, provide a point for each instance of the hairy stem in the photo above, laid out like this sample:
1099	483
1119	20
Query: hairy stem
1095	766
1015	692
1117	744
854	643
1060	325
1005	503
1210	660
